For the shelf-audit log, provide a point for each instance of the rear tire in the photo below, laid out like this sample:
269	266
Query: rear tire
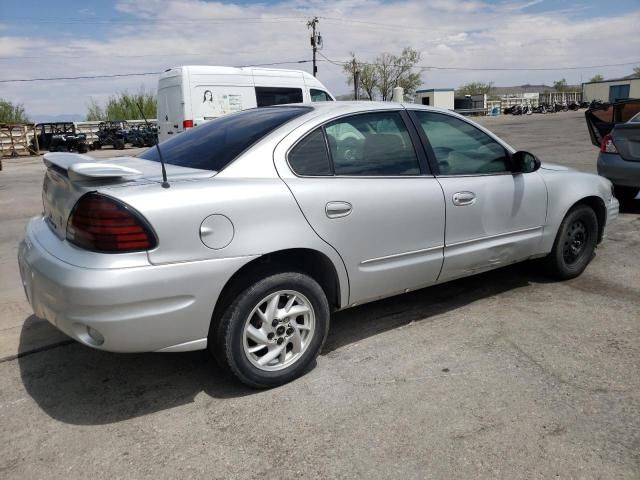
574	245
625	194
259	342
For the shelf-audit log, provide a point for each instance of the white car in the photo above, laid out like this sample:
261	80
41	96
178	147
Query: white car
269	219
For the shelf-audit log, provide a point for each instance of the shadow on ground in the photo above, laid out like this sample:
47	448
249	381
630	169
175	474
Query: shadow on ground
78	385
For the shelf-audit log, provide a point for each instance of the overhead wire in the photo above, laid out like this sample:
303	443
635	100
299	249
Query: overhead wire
139	74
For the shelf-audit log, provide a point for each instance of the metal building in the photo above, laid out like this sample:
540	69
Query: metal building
611	90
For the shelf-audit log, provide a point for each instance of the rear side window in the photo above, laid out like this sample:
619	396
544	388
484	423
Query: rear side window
267	96
372	144
310	156
215	144
319	96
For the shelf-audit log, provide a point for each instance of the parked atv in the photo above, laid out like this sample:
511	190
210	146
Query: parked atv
112	133
142	136
59	137
69	142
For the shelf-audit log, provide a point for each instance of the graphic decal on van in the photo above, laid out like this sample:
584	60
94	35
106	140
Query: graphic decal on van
213	105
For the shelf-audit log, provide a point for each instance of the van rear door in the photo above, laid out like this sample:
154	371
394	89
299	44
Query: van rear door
170	111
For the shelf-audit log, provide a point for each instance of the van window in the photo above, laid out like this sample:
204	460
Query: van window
266	96
319	96
215	144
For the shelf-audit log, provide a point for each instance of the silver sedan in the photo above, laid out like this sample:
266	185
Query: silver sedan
244	234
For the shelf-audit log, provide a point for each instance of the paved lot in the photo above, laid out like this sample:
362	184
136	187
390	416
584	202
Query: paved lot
504	375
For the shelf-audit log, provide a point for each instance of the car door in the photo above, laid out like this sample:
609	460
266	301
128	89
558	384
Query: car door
493	217
363	188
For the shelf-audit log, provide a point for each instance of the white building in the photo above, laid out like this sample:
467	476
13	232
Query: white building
611	90
436	97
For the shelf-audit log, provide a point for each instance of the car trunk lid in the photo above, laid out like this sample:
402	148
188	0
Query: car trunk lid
603	118
69	176
626	138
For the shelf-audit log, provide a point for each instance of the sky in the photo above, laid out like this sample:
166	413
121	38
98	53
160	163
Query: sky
67	38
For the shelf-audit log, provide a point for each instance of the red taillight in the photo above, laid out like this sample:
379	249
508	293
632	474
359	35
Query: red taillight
607	145
187	124
103	224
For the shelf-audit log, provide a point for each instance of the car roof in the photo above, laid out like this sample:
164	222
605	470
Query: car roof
361	106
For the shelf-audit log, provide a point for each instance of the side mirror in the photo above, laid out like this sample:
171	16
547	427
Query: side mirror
524	162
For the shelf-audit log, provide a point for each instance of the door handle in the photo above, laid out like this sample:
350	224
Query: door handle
338	209
462	199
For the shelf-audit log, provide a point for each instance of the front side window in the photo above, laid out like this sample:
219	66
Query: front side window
310	156
267	96
460	148
319	96
215	144
372	144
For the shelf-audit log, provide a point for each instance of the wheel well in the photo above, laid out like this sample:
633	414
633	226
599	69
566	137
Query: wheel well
597	205
310	262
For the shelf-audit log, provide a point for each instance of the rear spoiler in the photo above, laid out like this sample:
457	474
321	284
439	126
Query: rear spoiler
602	118
80	168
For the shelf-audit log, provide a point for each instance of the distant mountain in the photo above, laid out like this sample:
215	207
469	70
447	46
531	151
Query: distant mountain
66	117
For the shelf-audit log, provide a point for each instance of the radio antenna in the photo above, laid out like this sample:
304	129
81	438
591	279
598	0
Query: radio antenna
165	182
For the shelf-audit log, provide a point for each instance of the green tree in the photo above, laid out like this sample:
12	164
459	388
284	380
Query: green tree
636	71
561	85
10	113
397	71
474	88
95	112
597	78
368	76
378	79
123	106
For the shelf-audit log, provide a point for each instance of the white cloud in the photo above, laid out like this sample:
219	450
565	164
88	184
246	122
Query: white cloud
161	34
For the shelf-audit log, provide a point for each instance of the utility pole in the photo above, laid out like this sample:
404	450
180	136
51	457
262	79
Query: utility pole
316	41
356	80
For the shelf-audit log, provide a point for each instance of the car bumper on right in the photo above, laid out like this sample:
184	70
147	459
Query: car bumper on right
621	172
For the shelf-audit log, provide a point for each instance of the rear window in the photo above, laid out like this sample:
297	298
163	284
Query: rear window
215	144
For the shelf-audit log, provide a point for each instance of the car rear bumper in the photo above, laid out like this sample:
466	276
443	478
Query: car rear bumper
621	172
132	309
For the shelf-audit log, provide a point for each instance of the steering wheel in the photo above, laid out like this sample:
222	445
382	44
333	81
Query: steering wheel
349	148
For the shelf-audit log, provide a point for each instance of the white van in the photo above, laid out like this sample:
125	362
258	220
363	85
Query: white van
191	95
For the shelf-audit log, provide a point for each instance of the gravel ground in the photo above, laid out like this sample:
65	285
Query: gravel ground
503	375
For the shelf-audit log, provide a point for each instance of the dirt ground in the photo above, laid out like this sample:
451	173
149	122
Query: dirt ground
502	375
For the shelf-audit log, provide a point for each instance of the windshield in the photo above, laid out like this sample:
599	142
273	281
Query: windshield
215	144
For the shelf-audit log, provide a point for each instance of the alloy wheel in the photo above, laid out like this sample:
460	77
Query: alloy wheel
278	330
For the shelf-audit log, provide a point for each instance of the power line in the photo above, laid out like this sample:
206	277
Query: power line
99	55
149	21
492	69
82	77
375	24
117	75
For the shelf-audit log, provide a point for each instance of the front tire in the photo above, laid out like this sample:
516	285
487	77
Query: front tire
273	330
574	245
